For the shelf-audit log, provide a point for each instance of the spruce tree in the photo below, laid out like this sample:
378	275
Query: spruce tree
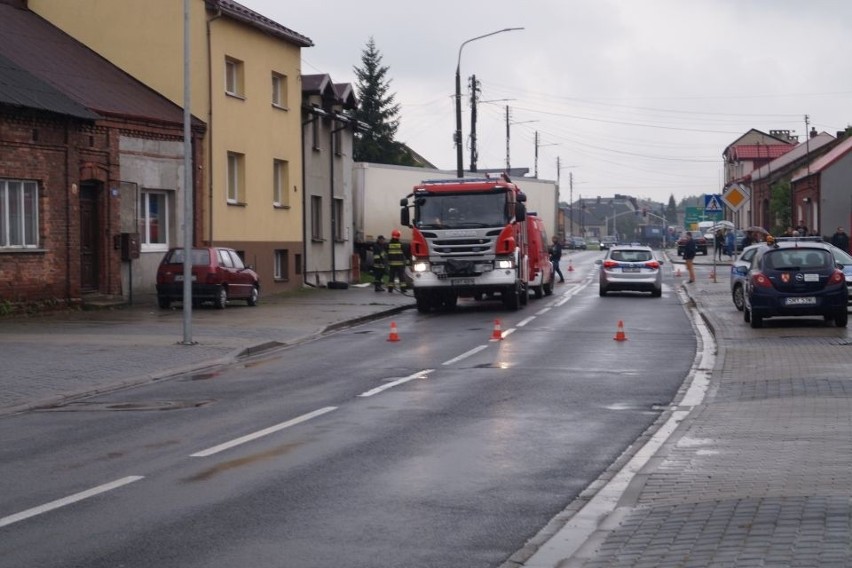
376	108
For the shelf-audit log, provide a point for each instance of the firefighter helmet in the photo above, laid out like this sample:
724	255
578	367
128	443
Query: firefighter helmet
395	234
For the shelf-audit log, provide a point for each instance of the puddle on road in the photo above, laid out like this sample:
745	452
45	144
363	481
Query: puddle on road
240	462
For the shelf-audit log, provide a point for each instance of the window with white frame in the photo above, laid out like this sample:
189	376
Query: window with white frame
18	214
234	77
154	220
236	177
280	183
279	90
282	265
337	216
316	217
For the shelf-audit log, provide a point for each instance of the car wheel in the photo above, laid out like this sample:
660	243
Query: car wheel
842	318
738	297
746	314
756	321
221	298
164	303
602	291
656	293
253	296
538	292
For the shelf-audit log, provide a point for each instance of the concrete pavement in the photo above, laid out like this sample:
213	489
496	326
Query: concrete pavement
758	473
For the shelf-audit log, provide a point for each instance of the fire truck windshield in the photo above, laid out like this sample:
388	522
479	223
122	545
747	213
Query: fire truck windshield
461	211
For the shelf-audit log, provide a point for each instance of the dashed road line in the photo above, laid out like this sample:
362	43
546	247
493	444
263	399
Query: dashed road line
5	521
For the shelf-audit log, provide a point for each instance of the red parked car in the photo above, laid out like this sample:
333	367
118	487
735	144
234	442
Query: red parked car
218	276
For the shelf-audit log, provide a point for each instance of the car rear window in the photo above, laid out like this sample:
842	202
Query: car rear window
631	255
200	257
801	259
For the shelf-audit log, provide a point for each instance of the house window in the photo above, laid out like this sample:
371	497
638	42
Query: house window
279	90
234	77
297	267
154	220
236	177
337	218
282	264
338	142
315	133
316	217
280	183
18	214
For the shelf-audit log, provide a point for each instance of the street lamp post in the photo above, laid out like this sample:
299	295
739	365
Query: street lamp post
458	136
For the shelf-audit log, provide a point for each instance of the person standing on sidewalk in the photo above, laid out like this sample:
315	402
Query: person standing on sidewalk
718	243
730	244
396	263
840	239
556	256
689	251
380	257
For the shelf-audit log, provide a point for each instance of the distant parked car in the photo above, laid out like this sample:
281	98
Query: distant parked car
630	268
218	276
577	243
608	242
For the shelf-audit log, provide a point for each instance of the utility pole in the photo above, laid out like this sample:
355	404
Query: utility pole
535	169
508	166
474	96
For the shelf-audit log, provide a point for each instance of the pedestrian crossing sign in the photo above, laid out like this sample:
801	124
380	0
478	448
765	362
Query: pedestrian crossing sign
713	203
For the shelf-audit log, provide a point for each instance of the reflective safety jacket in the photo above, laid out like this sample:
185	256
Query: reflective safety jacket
396	256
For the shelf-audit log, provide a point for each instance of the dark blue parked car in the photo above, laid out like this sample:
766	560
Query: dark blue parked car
795	278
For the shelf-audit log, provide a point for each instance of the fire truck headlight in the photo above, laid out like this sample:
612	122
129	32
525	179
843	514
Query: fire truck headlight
503	264
420	267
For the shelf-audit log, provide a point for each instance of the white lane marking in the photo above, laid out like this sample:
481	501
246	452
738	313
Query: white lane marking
4	521
377	390
262	433
542	311
465	355
525	321
507	333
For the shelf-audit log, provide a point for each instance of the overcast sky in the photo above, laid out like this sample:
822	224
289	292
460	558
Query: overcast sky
633	96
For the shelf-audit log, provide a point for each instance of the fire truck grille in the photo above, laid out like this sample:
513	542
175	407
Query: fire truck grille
462	247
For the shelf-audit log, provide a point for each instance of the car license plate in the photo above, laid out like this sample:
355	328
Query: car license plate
801	301
630	269
179	278
462	281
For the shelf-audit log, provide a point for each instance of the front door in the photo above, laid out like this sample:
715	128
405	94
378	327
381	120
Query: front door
89	242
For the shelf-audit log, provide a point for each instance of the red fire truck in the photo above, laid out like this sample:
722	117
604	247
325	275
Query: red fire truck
468	239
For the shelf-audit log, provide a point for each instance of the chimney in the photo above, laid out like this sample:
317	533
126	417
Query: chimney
813	132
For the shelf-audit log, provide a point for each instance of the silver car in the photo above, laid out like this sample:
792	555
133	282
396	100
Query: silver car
630	268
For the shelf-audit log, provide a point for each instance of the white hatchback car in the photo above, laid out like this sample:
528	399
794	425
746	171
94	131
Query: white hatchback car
630	268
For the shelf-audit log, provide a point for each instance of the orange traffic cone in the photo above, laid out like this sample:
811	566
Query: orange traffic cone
497	334
394	335
570	266
619	335
677	273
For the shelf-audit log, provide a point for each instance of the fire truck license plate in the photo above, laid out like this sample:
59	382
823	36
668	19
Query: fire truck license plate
462	281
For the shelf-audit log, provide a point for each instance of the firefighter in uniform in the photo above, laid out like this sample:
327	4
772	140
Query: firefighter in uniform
380	257
396	263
